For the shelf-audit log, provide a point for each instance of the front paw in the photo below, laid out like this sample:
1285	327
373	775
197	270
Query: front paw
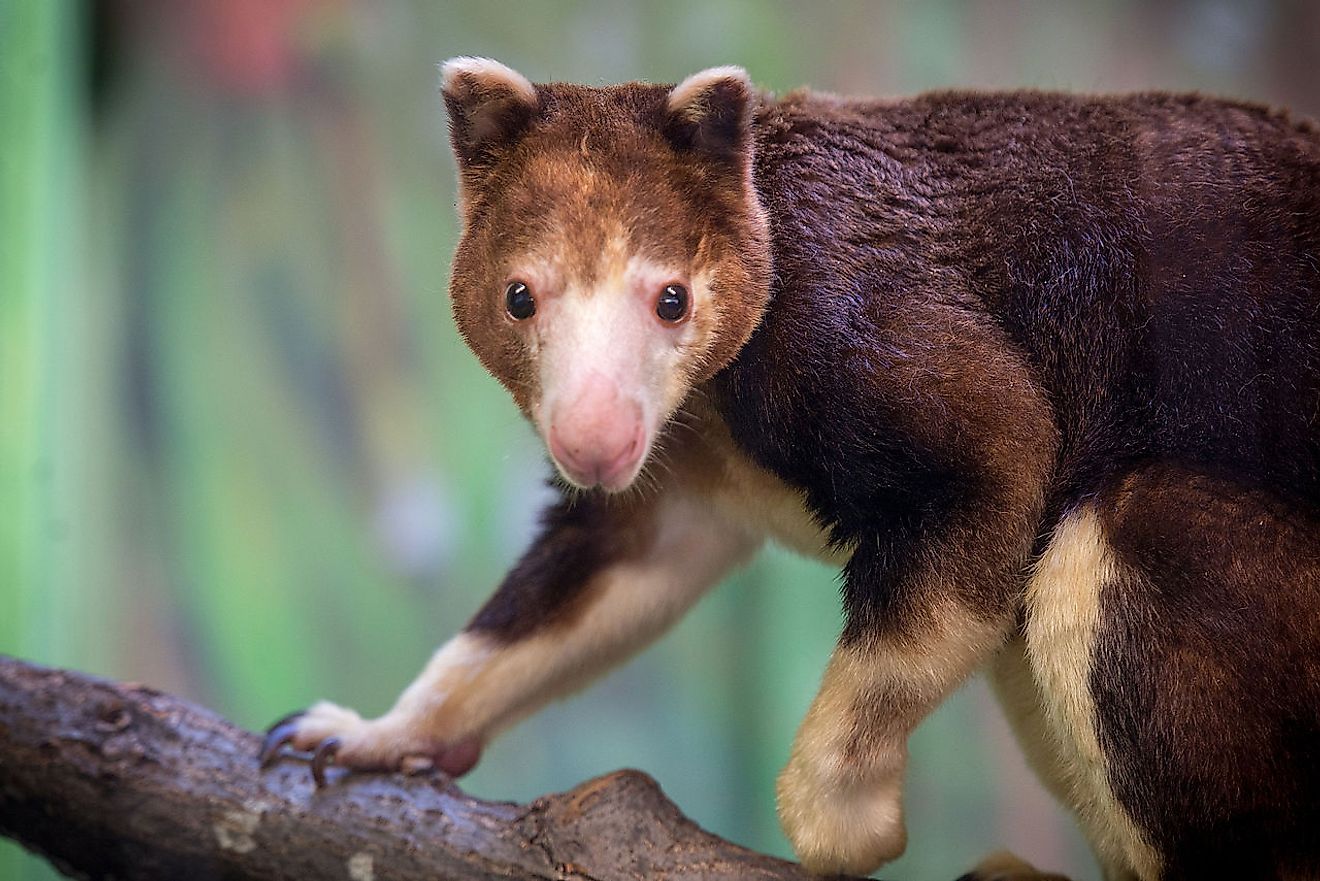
334	734
838	824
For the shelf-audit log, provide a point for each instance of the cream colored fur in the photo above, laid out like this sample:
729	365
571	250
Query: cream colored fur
608	327
746	493
474	686
840	796
686	97
1044	685
842	815
489	73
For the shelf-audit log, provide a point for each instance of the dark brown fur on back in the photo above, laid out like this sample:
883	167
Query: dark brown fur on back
1155	261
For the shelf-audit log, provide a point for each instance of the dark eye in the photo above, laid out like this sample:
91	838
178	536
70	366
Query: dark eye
673	304
519	301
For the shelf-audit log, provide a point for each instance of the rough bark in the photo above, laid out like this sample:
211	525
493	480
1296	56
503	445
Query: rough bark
120	781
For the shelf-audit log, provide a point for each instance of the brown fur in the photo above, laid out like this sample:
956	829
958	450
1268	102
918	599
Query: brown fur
1212	746
557	580
600	162
1041	371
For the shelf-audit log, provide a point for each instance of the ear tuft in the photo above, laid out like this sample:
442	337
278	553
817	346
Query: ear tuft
710	111
490	106
459	76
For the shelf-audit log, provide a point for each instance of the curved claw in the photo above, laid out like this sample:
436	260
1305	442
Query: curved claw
285	720
280	733
325	753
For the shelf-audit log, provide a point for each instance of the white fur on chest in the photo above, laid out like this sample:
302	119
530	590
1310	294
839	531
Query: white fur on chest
766	506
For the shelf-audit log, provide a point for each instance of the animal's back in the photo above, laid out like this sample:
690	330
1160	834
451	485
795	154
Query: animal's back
1156	261
1155	257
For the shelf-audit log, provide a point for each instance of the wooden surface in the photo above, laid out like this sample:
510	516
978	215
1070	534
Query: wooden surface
120	781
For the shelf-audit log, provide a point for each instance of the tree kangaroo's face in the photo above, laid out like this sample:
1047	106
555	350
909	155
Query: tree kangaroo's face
613	253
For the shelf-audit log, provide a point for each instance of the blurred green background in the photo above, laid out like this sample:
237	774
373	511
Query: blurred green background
244	456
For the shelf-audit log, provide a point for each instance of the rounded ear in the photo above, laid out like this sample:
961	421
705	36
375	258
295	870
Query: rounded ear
490	106
710	112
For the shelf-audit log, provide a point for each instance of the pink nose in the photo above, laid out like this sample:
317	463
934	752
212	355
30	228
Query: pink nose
597	437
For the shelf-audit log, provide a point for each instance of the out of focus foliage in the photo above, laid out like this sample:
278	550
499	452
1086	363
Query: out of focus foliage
244	455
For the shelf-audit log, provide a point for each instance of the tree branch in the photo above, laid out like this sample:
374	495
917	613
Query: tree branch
120	781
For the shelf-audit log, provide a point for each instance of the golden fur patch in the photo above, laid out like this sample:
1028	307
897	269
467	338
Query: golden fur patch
840	796
842	812
1063	615
1014	684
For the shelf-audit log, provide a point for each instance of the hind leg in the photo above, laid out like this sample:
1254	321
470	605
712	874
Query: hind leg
1019	693
1171	671
1206	673
1045	682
